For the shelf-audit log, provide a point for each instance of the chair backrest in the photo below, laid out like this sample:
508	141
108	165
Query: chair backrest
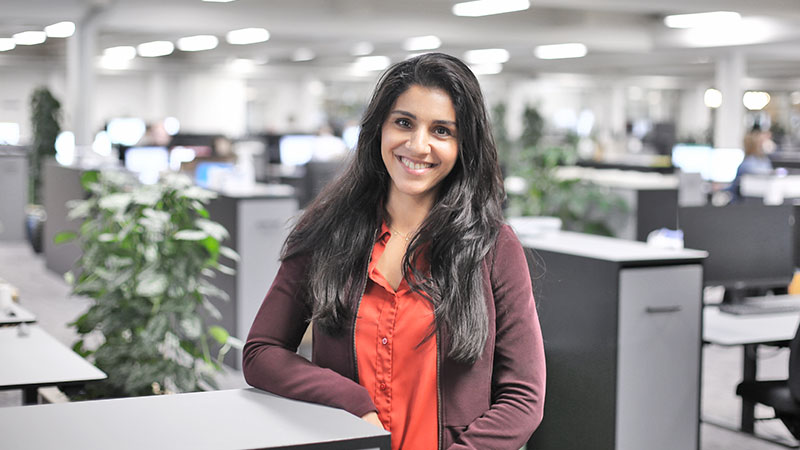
794	366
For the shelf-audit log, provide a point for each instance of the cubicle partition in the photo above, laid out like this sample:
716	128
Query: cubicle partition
621	325
13	193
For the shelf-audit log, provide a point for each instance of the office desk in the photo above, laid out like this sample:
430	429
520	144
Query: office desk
38	360
16	315
749	331
230	419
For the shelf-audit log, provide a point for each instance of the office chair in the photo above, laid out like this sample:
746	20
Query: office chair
782	395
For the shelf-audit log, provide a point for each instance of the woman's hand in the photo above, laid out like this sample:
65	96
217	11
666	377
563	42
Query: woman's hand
372	417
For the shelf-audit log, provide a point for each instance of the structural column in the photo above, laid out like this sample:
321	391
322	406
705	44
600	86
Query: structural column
81	48
729	121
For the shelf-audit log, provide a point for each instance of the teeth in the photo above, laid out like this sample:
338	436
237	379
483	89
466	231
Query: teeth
414	166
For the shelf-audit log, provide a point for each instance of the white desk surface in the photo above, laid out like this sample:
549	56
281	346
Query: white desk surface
606	248
38	359
219	420
19	315
730	329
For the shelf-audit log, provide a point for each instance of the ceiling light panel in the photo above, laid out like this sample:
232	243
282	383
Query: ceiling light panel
30	37
560	51
418	43
489	7
60	30
155	49
247	36
123	52
707	19
197	43
7	44
372	63
486	56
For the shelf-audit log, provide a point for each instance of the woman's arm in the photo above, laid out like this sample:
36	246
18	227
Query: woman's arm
270	361
518	378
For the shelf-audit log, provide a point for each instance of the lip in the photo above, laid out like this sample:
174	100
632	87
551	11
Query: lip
400	158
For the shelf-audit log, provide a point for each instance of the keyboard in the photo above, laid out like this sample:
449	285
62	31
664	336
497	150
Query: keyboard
775	304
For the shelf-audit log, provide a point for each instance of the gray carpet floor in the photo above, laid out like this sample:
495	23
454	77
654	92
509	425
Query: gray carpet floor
47	295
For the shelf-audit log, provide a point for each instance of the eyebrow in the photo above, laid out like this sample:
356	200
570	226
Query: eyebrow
438	122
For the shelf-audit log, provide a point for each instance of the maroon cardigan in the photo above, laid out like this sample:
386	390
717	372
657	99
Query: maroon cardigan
495	403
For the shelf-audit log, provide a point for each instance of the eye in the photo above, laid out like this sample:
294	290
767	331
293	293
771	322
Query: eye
403	122
442	131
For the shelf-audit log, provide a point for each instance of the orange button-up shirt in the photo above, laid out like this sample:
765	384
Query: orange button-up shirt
396	367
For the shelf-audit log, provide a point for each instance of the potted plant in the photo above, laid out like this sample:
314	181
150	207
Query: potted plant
148	254
581	206
45	126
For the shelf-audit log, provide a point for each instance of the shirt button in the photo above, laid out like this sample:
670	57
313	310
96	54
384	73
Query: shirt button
383	386
384	341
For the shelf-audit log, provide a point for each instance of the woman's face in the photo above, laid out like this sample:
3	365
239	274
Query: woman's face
419	142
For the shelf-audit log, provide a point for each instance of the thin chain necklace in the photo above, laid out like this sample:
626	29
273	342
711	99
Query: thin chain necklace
407	237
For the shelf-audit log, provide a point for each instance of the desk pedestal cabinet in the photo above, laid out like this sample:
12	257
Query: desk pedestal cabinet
621	327
258	225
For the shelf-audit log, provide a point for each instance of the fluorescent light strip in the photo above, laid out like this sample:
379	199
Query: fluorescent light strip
486	56
372	63
755	100
247	36
60	30
7	44
560	51
486	69
155	49
197	43
707	19
418	43
30	37
489	7
123	52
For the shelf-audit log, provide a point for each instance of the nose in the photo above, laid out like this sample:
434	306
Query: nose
418	142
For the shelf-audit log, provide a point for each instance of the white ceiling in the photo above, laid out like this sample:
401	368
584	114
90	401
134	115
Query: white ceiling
624	37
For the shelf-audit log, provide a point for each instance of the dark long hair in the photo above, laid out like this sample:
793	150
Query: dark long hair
339	228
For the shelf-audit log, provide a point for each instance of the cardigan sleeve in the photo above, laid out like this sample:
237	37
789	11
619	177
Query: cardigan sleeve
270	361
518	373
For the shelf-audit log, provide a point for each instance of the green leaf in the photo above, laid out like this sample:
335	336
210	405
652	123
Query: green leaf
229	253
88	178
65	236
190	235
219	334
115	202
152	285
214	229
212	245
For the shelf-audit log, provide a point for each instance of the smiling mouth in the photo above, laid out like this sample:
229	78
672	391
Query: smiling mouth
414	165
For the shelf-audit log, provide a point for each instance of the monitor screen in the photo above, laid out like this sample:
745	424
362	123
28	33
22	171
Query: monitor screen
297	149
713	164
147	162
126	130
750	245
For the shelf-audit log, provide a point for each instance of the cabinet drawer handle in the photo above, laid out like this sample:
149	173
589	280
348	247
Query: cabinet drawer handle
662	309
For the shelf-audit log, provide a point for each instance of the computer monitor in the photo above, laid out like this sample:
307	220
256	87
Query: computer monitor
297	149
750	245
126	131
147	162
713	164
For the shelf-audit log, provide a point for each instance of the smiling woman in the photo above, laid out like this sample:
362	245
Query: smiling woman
422	309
